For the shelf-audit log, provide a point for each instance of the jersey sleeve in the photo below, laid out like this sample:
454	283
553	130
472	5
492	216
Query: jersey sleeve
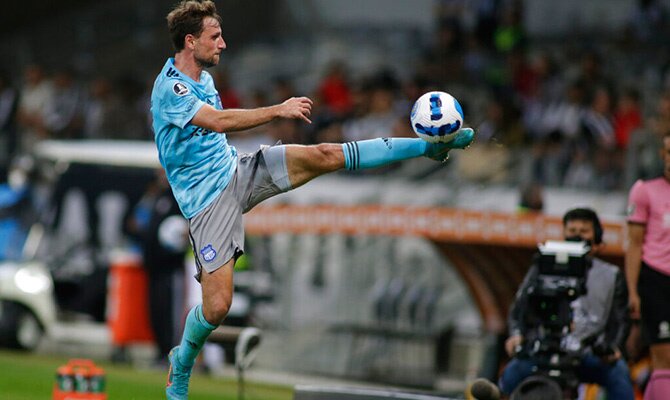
179	103
638	203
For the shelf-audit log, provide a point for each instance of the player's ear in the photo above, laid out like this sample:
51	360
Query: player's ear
189	41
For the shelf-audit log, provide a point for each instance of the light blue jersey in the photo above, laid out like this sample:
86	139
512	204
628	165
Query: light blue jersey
198	162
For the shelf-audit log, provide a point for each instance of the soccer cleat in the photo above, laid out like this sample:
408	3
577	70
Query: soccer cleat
440	151
178	377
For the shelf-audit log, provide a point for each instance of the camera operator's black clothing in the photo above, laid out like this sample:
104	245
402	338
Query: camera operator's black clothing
601	315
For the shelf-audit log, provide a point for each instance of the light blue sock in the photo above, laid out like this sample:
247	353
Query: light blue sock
382	151
196	331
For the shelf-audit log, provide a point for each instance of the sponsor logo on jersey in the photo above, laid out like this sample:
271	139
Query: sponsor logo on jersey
208	253
199	131
180	89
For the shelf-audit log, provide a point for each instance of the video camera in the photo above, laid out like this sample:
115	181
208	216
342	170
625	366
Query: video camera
562	270
561	278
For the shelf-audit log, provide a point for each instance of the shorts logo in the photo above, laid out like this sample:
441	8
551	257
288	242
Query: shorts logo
208	253
180	89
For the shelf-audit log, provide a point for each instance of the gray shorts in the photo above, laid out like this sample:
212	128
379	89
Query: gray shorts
217	232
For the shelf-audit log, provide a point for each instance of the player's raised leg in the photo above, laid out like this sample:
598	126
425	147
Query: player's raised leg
305	163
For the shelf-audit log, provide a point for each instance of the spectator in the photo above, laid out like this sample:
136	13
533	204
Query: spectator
442	61
627	117
36	92
283	89
97	112
647	21
564	117
648	269
381	117
334	90
531	199
63	114
510	34
130	110
580	173
227	94
163	237
502	124
524	79
8	137
486	24
643	161
591	76
598	129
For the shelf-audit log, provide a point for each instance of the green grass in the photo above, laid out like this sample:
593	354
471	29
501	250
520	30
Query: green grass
25	376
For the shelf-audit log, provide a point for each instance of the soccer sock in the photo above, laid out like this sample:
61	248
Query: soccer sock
658	386
196	331
381	151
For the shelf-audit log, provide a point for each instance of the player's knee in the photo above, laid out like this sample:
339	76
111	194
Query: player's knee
329	156
218	309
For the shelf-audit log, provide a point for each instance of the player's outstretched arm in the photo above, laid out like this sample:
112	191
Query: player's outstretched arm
234	120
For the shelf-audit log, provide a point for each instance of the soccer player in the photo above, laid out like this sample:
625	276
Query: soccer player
214	185
648	269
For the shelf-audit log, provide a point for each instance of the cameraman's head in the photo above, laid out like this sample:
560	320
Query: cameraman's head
583	224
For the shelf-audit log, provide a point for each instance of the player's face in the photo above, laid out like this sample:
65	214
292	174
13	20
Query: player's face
210	44
582	228
666	157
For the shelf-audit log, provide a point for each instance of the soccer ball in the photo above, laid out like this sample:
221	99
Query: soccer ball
436	117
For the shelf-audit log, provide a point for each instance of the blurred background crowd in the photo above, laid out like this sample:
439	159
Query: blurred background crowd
582	110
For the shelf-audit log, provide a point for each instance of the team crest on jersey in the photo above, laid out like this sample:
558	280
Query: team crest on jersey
180	89
630	209
208	253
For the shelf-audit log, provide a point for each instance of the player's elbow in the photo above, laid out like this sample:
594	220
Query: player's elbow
222	125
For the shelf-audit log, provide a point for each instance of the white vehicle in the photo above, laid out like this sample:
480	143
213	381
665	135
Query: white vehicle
59	284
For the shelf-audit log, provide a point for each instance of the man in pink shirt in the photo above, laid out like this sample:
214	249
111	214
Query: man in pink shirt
648	270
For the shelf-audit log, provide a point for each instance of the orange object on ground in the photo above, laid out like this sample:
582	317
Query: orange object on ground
79	379
127	307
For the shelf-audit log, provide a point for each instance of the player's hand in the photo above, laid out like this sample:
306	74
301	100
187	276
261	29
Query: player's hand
296	108
512	344
634	305
612	358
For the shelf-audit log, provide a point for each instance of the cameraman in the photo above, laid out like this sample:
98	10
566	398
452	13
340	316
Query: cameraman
602	312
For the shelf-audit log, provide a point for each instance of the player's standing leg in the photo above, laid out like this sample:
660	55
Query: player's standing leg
217	294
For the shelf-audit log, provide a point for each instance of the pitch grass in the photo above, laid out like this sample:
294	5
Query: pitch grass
25	376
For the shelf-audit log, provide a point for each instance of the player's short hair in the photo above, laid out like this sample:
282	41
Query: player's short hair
586	214
187	17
